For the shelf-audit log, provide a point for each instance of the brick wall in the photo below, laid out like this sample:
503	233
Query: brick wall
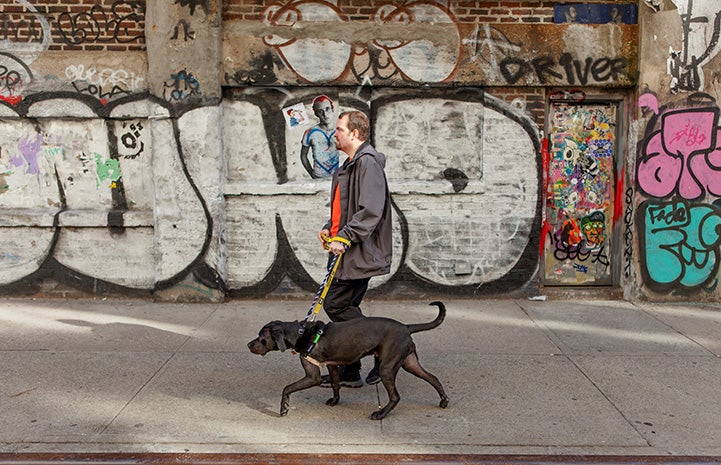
479	11
90	25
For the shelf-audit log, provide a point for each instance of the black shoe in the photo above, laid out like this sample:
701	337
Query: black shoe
373	376
352	381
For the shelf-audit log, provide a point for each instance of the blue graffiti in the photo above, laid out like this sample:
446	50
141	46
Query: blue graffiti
679	243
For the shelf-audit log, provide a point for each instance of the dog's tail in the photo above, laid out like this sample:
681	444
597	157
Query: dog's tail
432	324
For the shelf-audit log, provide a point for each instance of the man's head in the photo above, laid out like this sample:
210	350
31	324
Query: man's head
352	130
323	109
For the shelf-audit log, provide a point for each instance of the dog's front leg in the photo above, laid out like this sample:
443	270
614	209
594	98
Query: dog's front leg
335	384
311	378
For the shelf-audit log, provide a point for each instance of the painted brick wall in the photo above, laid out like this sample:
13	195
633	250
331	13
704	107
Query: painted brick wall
498	11
188	182
89	25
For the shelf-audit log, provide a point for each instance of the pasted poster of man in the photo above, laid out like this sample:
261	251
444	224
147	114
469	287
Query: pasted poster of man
319	141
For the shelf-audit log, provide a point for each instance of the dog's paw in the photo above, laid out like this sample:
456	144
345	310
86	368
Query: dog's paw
284	407
378	415
444	403
332	401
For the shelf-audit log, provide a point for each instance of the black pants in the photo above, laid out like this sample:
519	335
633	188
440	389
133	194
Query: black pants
342	303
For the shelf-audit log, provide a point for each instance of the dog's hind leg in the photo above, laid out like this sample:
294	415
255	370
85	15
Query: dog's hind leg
413	366
393	398
311	378
388	370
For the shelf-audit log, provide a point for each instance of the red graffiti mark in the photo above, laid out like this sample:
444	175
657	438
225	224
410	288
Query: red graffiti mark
545	163
545	231
11	99
618	200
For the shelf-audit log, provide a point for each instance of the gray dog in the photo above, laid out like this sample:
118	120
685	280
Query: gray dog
345	342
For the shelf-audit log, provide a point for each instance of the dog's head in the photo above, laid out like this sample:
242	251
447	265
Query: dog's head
271	337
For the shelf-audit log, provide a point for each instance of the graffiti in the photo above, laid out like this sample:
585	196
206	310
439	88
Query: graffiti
577	185
24	35
29	149
655	5
489	48
593	228
580	268
106	77
564	250
107	171
701	24
97	25
589	233
182	85
192	4
328	59
21	32
628	234
493	48
682	156
371	62
580	188
679	244
323	60
438	60
11	85
566	69
15	75
131	140
188	34
79	170
93	82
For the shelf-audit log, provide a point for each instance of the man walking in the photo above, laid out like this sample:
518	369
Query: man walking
359	227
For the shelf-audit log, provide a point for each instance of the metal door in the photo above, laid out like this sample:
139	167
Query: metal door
579	194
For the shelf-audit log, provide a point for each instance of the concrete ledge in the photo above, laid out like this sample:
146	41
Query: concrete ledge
28	217
314	187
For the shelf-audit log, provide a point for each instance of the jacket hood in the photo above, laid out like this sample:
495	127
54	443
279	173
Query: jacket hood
368	149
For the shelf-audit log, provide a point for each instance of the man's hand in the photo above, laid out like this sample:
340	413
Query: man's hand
336	248
323	237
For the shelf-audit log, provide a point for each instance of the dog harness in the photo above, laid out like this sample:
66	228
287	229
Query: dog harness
311	345
315	340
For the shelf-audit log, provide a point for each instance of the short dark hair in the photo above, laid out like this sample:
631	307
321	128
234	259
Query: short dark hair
358	120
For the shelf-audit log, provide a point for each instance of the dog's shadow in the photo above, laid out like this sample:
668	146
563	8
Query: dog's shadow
262	407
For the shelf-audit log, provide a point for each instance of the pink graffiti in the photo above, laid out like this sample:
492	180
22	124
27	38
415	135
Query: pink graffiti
648	101
682	156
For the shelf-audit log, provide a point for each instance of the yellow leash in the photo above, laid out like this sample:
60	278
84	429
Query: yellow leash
323	291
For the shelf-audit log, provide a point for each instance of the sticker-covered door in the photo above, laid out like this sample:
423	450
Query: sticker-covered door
579	198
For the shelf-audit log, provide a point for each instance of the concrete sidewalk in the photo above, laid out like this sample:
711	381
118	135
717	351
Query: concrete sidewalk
524	377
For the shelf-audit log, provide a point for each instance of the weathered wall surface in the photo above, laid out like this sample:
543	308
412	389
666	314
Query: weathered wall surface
675	212
145	151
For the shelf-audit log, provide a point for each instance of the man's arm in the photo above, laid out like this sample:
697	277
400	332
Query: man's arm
372	202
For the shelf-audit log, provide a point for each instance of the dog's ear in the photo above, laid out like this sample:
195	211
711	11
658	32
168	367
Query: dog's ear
279	338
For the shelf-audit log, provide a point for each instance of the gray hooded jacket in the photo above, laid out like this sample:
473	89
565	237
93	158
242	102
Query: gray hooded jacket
365	214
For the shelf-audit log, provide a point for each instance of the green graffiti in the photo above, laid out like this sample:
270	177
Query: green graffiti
108	170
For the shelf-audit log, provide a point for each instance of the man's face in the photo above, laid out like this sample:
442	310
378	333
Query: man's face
343	137
324	111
